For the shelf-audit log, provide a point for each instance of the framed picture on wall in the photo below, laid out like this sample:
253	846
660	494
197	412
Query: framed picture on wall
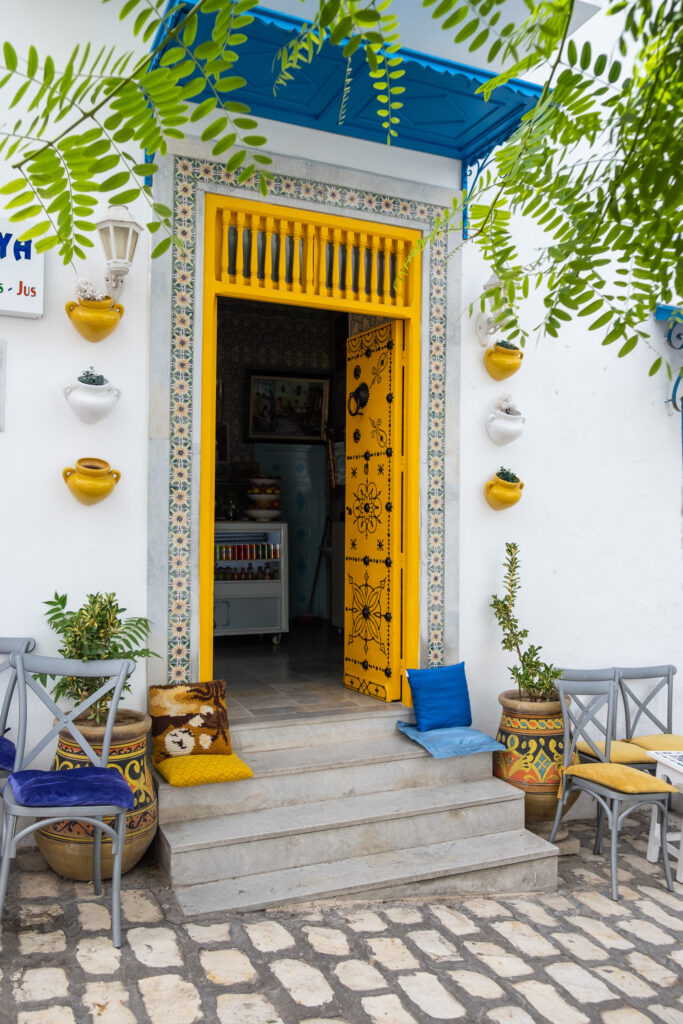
285	408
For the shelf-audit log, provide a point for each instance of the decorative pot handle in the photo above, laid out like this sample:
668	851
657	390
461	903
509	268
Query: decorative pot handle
70	306
118	308
488	485
115	473
521	486
116	392
68	389
66	473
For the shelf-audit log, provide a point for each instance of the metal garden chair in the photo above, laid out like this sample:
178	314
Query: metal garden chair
589	702
639	689
10	645
88	794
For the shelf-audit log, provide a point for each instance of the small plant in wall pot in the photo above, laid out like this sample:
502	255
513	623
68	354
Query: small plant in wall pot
506	422
92	397
503	490
503	359
94	314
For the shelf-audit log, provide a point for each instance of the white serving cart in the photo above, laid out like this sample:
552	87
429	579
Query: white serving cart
250	579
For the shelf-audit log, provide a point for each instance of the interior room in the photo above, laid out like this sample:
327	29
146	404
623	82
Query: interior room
280	506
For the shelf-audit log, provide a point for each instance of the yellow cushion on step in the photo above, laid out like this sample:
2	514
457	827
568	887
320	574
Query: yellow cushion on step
659	741
620	777
620	752
188	770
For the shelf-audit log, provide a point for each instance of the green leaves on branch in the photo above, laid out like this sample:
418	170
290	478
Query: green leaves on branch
84	128
354	25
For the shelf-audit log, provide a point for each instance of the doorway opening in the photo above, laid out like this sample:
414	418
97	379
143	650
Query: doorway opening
280	509
266	268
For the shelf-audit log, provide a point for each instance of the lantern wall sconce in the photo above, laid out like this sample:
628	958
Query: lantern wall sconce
486	324
119	235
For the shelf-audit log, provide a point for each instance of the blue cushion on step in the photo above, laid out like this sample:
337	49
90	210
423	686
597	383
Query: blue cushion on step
440	697
7	753
72	787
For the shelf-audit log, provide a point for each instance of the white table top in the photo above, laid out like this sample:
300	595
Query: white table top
671	760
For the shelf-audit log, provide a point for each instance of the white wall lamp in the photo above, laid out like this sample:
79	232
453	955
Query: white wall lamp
119	235
486	324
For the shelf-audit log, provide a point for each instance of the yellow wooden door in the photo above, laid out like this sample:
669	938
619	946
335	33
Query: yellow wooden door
374	512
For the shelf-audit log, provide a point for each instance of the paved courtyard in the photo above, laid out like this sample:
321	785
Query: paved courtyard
566	958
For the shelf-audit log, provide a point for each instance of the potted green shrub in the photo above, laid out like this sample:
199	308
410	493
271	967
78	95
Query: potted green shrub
531	722
98	631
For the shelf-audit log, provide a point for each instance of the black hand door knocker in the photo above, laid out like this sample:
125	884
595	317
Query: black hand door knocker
358	399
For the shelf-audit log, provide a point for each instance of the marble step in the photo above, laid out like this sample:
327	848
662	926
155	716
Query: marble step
288	836
508	862
320	772
300	731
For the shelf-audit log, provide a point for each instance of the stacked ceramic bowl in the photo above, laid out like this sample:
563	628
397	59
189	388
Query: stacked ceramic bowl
265	498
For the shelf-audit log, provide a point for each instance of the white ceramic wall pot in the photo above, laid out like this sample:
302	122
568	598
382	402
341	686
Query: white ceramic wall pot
503	427
91	402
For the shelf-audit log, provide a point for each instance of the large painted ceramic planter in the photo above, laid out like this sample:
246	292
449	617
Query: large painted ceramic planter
94	319
533	735
67	845
92	480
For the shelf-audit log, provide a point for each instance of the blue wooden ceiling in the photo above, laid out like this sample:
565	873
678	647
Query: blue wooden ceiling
442	114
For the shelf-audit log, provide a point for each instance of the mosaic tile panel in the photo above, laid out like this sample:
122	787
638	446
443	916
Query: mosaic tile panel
188	175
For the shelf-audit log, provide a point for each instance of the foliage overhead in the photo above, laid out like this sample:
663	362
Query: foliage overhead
535	679
94	632
597	163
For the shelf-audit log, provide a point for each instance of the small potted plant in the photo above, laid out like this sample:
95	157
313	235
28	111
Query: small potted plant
98	631
503	359
504	489
531	723
92	397
94	314
505	423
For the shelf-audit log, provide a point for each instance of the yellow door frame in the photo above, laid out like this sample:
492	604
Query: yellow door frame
333	265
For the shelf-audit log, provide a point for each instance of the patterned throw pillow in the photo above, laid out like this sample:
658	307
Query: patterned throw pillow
189	718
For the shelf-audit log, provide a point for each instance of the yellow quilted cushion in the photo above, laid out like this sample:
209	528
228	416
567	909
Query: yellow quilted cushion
188	770
620	752
659	741
621	778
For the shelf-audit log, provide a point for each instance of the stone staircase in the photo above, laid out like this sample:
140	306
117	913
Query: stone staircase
346	807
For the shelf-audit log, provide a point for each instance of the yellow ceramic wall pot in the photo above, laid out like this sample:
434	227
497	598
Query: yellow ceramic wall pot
94	319
92	480
501	493
502	362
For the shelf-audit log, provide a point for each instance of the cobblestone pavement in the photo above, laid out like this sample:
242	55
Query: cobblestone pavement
567	958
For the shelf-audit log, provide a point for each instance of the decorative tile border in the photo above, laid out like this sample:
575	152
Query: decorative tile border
188	175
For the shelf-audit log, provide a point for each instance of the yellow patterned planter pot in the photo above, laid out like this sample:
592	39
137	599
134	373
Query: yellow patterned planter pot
67	845
533	734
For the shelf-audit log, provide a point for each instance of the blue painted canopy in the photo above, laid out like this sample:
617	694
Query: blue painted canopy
441	114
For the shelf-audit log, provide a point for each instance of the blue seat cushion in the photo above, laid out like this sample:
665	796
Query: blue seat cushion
72	787
440	697
7	752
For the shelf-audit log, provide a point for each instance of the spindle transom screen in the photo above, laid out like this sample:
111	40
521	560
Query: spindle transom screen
296	255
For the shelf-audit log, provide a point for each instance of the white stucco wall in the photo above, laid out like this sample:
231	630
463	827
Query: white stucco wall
49	541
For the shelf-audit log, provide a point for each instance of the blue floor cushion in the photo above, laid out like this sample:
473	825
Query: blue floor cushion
453	742
440	697
7	752
73	787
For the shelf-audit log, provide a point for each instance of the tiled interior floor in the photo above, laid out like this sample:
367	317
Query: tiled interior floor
302	676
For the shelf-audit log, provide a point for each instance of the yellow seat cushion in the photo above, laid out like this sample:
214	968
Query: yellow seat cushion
189	770
620	752
620	777
659	741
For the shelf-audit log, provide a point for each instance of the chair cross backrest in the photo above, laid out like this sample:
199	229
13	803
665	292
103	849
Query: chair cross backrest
11	645
584	695
30	666
641	705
